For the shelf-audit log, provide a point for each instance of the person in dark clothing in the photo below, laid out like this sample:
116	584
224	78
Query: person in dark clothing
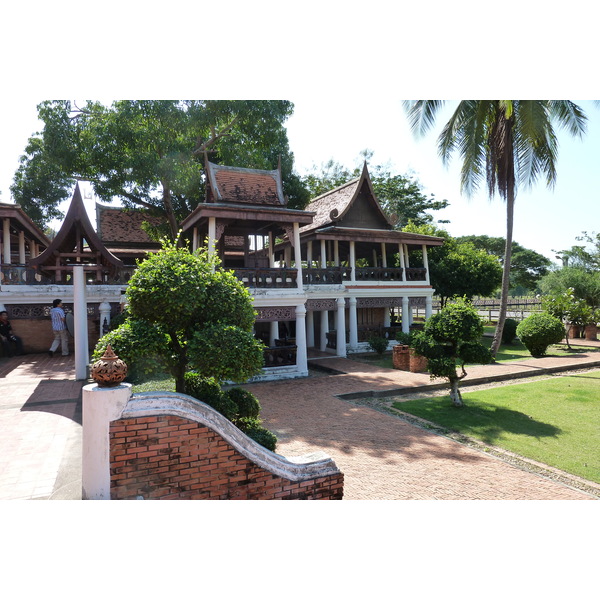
8	337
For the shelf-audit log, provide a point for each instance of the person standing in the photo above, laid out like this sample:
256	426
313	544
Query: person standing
59	327
8	337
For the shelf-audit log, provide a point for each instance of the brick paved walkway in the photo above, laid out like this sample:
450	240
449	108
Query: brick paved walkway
382	457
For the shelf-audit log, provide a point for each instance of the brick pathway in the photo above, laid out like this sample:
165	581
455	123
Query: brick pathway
40	426
382	457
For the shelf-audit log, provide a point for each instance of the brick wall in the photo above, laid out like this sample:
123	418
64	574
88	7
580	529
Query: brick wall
170	457
37	335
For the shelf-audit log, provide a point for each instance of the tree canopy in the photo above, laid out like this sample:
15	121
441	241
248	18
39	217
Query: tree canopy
527	268
401	196
458	269
149	153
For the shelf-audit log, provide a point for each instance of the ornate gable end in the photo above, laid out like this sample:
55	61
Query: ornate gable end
364	211
76	241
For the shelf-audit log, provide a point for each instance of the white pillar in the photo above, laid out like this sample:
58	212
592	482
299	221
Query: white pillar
301	353
101	405
324	330
425	263
340	326
6	241
271	253
274	332
402	264
387	320
428	307
406	259
104	309
353	325
212	234
82	354
21	247
323	255
309	254
353	261
375	258
383	256
310	329
405	316
336	253
195	239
298	256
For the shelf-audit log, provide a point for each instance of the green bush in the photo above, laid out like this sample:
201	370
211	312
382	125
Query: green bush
262	436
539	331
208	390
510	331
378	344
246	402
405	338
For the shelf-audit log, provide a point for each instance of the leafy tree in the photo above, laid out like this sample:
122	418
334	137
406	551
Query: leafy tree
569	309
203	313
400	196
585	284
449	340
528	266
149	153
505	142
584	257
458	269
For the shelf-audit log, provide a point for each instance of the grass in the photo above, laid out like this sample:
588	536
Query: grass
555	421
159	383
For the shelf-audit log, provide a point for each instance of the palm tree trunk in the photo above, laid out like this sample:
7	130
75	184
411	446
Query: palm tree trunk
510	209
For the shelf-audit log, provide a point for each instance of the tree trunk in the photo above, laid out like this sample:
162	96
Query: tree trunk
455	394
510	208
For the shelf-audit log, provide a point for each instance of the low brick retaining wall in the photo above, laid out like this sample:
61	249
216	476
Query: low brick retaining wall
169	446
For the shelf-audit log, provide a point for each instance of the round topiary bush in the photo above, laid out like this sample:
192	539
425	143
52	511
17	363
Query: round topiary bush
378	344
247	403
539	331
509	331
207	390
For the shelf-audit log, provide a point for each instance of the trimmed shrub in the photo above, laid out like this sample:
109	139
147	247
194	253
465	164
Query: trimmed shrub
510	331
378	344
246	402
262	436
538	331
207	390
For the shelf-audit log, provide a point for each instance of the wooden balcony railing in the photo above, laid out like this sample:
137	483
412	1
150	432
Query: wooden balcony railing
268	278
327	276
280	356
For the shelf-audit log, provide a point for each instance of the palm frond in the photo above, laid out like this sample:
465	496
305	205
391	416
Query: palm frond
421	114
569	115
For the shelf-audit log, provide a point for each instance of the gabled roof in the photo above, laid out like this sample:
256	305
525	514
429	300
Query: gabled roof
118	225
21	222
331	207
243	186
75	226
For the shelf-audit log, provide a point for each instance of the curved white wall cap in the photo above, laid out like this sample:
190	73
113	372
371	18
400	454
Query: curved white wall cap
300	468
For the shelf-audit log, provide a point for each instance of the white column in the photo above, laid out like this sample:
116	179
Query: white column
405	315
194	239
82	354
336	253
310	328
353	261
383	255
353	325
301	353
6	241
309	254
387	320
324	330
21	247
402	264
428	307
323	255
287	257
425	263
104	309
375	258
298	256
271	253
340	326
101	405
34	249
406	260
212	234
274	332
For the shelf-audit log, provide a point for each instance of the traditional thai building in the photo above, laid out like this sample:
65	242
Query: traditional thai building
323	280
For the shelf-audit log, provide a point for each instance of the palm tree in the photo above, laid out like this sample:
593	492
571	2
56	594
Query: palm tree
507	142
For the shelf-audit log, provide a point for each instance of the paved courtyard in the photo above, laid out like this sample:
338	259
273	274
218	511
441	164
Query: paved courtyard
382	457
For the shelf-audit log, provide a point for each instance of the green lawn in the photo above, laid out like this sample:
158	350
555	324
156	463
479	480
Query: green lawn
555	421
